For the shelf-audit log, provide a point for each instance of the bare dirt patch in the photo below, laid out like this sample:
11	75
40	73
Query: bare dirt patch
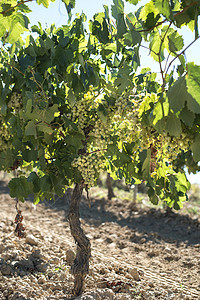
136	254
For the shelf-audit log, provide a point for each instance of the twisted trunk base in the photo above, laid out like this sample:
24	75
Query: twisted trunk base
80	266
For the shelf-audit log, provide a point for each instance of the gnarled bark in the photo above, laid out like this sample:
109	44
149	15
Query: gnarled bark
80	266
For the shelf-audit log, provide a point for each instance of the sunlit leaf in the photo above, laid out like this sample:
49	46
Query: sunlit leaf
193	81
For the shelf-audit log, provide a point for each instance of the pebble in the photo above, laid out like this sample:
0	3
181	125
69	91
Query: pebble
6	269
142	241
41	280
134	273
55	261
50	274
31	240
107	294
56	286
42	267
168	250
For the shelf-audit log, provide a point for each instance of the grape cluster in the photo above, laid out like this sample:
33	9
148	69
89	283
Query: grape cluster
86	115
129	126
81	111
101	136
125	119
5	136
20	229
42	100
166	147
15	102
177	144
89	167
121	105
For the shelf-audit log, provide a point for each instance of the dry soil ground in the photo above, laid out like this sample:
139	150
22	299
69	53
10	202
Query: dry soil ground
136	254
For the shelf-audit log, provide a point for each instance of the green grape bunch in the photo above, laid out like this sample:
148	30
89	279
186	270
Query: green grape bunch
5	136
89	167
15	102
81	111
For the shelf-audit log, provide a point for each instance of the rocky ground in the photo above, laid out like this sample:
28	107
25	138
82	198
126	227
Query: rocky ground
136	253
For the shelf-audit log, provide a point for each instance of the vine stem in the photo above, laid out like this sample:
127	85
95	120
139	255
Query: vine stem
15	68
148	49
99	150
159	52
182	52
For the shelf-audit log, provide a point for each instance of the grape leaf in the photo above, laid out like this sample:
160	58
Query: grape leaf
173	125
182	184
177	95
148	9
158	111
121	25
175	42
195	147
117	8
134	2
46	183
187	117
193	81
20	188
146	163
29	155
44	2
163	7
30	128
44	128
33	177
154	199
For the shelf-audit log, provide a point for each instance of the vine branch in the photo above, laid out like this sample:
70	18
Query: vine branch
159	52
163	21
4	12
182	52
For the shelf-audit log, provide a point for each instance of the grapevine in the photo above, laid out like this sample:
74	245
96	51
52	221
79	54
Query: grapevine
74	102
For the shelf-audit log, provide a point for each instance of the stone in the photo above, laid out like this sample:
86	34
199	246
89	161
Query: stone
41	267
6	269
168	250
107	294
27	264
134	273
41	280
55	261
31	240
56	286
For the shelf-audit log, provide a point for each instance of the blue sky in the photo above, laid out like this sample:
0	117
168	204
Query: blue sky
56	13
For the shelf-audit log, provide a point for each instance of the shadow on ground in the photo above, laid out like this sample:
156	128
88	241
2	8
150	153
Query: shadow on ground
170	227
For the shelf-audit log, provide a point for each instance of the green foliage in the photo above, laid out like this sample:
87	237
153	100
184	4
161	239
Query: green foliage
193	81
20	188
73	103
